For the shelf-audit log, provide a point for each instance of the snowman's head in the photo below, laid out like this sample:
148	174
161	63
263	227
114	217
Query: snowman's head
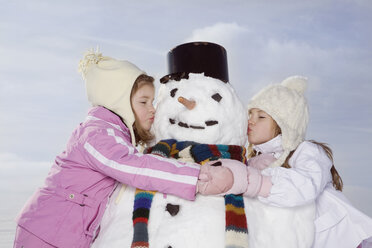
201	109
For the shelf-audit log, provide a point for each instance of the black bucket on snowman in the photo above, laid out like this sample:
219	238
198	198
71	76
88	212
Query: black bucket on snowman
197	57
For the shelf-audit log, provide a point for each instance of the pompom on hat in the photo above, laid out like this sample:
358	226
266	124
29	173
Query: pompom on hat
287	105
109	84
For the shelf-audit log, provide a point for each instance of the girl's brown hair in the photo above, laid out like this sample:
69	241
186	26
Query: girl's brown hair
336	179
142	136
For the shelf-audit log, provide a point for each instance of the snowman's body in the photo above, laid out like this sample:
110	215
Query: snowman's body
218	117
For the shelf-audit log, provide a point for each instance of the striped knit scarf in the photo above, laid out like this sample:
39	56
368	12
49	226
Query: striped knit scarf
236	232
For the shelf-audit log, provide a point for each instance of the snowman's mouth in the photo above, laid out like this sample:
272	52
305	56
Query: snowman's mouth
185	125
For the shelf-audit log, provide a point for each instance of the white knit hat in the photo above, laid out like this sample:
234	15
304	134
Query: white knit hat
109	83
286	104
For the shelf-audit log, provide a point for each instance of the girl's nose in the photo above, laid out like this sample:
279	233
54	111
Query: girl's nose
187	103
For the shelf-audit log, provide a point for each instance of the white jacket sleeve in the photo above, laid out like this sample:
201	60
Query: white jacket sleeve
304	181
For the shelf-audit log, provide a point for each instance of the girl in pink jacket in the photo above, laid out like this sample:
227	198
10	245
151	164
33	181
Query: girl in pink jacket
67	210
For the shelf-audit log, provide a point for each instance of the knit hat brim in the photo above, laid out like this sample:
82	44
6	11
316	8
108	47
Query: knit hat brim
286	104
109	83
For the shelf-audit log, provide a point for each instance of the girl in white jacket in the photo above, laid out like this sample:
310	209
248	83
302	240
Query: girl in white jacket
287	172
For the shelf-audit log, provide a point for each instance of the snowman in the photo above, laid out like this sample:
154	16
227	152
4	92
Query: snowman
200	118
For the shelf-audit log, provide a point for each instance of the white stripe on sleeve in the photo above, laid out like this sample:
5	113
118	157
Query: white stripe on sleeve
139	171
174	162
93	118
120	140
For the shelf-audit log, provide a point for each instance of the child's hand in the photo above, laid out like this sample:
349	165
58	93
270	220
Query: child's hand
214	179
261	161
233	177
230	178
248	180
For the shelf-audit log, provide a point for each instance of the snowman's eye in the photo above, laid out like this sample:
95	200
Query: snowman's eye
217	97
173	92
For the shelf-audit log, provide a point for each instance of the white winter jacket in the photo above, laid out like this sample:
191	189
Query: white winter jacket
338	223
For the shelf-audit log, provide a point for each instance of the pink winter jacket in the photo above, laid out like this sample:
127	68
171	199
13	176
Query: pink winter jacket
67	210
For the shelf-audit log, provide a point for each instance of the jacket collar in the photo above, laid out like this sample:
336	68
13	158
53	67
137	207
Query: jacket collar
273	146
108	116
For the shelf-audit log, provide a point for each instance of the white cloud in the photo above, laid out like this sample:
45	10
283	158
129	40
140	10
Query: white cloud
131	45
222	33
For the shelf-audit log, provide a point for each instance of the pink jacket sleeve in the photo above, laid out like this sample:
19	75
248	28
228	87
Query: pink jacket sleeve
110	153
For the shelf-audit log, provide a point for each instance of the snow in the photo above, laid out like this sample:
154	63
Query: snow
229	112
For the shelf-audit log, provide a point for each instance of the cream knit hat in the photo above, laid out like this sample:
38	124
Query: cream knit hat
286	104
109	83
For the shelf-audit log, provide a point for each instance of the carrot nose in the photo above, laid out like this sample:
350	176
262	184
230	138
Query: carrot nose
187	103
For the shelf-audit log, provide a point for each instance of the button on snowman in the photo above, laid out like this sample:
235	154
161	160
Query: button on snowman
197	103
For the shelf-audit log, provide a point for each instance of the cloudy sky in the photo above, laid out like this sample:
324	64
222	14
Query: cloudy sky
42	96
